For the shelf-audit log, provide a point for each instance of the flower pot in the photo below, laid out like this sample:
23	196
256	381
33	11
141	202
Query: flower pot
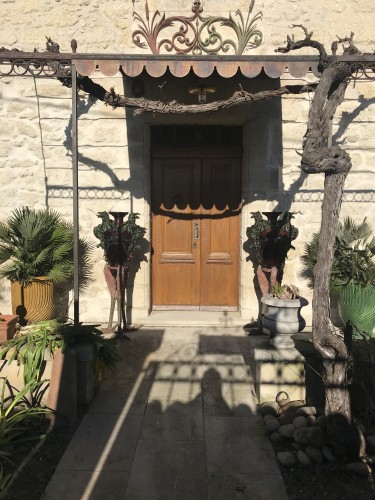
33	302
282	319
8	326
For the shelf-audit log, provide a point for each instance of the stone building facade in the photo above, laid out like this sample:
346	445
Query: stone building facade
115	147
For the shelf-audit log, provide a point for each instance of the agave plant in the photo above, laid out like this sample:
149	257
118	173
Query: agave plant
36	243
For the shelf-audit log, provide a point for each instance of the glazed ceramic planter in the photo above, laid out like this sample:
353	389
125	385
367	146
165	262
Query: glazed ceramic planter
282	319
33	302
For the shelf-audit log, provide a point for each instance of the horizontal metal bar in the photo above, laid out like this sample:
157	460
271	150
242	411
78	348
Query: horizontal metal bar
67	56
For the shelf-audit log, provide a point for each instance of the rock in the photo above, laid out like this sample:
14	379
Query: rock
317	437
272	425
295	446
314	454
311	420
266	418
269	408
306	410
287	430
302	458
301	436
359	468
328	454
299	422
286	458
277	438
289	412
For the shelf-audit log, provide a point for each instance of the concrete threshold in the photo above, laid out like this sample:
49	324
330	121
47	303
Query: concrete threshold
223	319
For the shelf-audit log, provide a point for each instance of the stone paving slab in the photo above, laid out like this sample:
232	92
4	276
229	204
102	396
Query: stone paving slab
75	485
228	399
115	393
176	422
88	449
245	487
180	421
238	445
169	470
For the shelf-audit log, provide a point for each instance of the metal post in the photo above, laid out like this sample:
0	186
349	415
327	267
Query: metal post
75	195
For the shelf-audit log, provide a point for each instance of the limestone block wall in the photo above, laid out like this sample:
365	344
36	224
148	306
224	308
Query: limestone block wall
100	26
114	158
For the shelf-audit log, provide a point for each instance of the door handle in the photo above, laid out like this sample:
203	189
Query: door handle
196	230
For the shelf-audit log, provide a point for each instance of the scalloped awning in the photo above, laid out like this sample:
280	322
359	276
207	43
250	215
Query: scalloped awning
156	66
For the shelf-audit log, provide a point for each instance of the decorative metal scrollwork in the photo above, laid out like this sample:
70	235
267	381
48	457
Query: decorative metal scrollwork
198	34
34	67
365	70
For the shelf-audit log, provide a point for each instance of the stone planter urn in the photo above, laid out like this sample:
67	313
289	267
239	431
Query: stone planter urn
282	319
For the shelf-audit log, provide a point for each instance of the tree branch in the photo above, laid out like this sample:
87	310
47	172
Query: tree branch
173	107
292	44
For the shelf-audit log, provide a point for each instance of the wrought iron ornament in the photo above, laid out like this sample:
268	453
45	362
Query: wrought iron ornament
197	34
35	64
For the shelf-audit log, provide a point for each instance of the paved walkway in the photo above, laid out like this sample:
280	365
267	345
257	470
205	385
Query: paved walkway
176	422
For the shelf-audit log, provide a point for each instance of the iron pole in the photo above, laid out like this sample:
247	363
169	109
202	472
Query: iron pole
75	196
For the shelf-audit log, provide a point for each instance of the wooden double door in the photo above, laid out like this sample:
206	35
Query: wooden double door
196	202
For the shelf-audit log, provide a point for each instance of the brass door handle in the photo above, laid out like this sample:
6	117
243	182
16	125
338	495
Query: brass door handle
196	229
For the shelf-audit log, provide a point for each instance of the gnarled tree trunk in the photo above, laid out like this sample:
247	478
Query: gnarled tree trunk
335	163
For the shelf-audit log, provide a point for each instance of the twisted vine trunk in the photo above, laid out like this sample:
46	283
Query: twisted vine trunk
335	163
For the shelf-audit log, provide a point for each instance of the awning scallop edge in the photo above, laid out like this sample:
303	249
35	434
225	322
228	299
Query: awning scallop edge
201	68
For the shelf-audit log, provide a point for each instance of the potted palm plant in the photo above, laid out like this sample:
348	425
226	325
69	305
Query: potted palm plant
36	252
352	280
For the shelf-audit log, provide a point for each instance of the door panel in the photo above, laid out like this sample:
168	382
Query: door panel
195	228
176	263
220	232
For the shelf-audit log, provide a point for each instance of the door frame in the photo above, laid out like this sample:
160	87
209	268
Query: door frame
201	153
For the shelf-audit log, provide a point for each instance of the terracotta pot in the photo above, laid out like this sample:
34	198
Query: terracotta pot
282	319
8	326
33	302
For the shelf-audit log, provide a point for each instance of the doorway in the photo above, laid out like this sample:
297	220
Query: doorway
196	203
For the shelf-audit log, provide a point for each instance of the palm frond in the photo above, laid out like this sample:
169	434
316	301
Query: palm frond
36	243
354	255
357	305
